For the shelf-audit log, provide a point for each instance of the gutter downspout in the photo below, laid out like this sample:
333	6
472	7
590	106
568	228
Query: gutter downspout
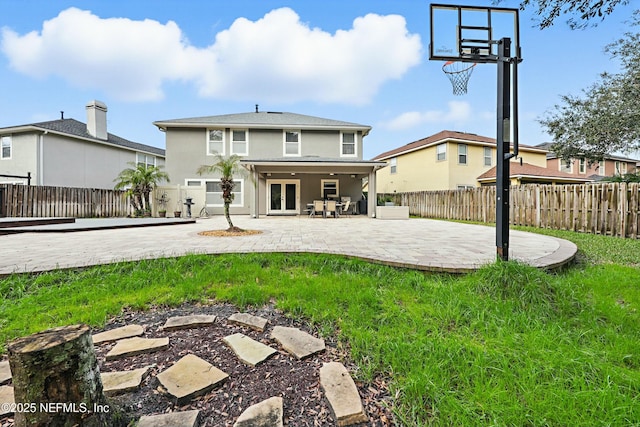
40	159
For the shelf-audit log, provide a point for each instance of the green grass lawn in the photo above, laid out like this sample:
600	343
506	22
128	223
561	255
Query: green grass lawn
508	345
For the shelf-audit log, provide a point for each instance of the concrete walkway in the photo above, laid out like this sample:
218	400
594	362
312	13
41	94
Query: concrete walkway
416	243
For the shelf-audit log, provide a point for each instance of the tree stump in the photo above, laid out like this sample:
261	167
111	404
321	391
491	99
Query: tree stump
56	380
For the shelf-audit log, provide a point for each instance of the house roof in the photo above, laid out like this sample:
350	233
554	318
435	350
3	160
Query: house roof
526	170
552	155
74	128
264	119
444	136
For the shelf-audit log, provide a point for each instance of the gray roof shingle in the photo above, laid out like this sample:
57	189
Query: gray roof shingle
266	119
75	128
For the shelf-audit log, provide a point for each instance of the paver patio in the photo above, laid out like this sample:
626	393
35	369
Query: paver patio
416	243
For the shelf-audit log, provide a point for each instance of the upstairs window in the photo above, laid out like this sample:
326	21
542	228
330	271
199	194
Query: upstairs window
393	163
239	142
291	143
621	168
145	159
601	168
488	161
566	166
348	144
441	152
462	154
6	147
582	166
215	142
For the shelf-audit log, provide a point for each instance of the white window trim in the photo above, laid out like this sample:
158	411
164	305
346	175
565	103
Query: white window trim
562	164
620	167
238	201
601	168
465	154
224	140
8	137
355	145
444	145
489	157
246	135
138	155
393	165
337	181
582	166
284	143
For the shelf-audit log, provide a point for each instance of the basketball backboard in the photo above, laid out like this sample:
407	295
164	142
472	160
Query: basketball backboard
471	33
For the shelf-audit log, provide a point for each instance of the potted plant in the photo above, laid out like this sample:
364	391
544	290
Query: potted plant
162	204
178	210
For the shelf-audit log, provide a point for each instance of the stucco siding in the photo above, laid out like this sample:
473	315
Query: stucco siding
420	170
186	150
24	152
536	159
416	171
69	162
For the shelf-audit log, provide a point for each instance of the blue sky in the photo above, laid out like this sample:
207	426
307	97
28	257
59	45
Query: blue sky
363	61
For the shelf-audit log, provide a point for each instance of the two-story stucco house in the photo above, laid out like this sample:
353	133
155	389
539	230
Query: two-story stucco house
69	153
450	160
291	159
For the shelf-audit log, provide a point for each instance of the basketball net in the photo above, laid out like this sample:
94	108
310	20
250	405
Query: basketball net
458	73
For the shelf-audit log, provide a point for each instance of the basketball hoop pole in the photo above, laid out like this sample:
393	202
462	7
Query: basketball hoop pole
475	43
503	143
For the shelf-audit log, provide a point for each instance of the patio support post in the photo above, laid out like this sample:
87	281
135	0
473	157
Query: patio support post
255	209
373	195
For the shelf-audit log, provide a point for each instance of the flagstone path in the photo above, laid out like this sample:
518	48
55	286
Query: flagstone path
205	389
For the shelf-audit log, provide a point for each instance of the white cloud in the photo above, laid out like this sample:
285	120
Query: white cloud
458	112
276	58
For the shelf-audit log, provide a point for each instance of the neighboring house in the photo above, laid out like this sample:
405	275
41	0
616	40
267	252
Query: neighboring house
290	159
69	153
530	174
611	165
448	160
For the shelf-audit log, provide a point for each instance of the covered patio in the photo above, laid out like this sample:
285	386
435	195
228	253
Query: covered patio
286	186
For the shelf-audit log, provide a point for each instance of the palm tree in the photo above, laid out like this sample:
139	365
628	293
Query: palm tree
226	167
139	181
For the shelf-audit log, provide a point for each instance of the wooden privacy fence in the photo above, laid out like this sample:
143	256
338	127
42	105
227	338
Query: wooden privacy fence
602	208
42	201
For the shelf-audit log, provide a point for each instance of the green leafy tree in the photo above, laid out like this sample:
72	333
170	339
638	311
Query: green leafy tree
606	118
581	12
627	177
226	167
139	181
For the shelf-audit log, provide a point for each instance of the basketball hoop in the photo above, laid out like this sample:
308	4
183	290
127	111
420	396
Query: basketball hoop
458	73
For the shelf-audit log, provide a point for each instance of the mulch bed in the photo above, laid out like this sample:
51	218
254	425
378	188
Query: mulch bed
296	381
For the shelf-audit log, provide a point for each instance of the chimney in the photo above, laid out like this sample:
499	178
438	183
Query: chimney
97	119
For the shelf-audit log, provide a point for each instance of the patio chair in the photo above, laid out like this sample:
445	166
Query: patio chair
346	205
318	208
309	211
331	208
